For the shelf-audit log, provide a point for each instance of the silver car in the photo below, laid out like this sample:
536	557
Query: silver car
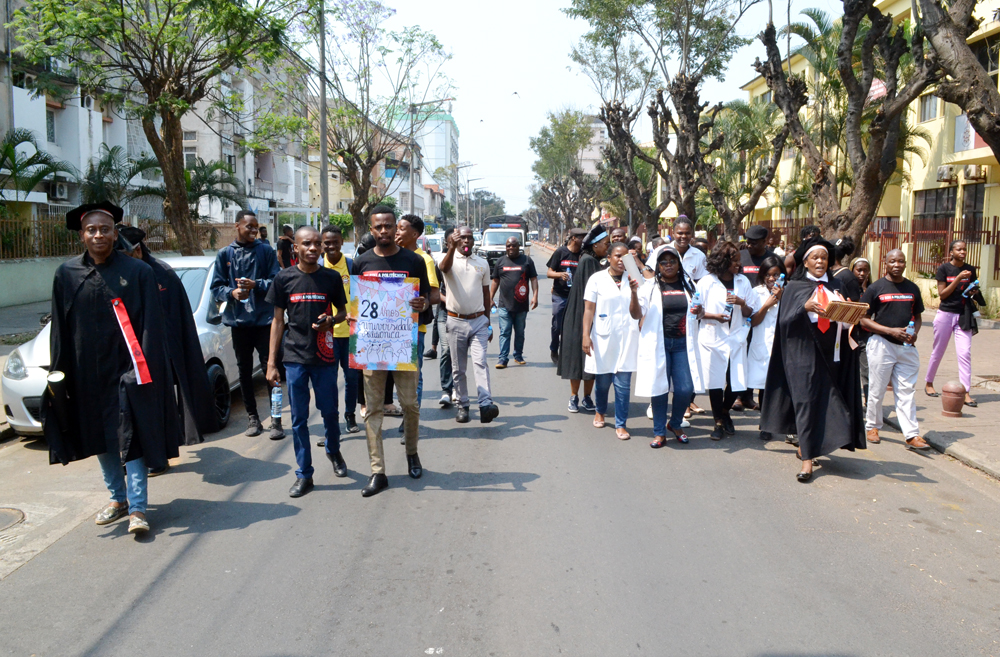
23	379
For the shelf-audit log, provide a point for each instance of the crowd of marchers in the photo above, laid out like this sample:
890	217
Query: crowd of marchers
687	320
127	383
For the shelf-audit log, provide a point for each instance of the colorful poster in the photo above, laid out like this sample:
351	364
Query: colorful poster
383	326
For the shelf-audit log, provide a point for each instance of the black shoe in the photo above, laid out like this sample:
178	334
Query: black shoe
351	422
764	435
253	426
804	477
488	413
413	465
276	432
378	483
555	357
463	415
156	472
728	426
431	354
300	487
791	440
717	433
339	465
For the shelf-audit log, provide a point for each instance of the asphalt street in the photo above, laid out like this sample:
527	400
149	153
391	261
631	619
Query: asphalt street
535	535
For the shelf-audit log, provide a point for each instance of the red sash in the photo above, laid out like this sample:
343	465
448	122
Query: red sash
134	349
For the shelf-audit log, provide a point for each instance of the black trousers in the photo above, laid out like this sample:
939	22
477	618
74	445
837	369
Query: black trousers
246	339
722	400
388	391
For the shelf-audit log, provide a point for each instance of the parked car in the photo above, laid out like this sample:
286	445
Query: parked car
23	378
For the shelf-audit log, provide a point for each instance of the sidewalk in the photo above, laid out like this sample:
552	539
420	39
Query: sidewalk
972	438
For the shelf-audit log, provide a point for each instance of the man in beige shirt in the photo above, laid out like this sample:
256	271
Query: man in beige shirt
467	278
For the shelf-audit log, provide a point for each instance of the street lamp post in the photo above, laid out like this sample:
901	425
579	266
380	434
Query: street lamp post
468	193
324	164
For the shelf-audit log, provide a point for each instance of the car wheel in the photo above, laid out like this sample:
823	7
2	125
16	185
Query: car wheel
219	382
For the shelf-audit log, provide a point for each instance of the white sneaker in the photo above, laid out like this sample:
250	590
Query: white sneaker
685	424
445	400
649	411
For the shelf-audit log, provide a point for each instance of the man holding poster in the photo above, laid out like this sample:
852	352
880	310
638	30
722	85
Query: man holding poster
380	324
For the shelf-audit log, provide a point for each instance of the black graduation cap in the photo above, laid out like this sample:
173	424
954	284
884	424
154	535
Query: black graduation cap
75	216
133	234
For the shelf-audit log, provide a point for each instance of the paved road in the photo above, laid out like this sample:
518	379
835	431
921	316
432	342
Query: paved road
537	535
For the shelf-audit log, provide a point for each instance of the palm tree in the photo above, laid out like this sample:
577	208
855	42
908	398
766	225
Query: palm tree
110	178
21	172
215	181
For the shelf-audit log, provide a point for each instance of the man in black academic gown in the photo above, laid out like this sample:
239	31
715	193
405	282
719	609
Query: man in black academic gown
115	400
195	397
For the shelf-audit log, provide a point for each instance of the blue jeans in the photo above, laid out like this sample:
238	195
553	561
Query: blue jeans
679	372
324	382
558	312
352	378
512	321
420	367
602	385
129	486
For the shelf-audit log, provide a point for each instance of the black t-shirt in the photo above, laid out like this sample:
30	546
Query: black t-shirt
514	276
675	308
946	273
403	261
285	249
852	288
305	297
563	260
893	305
751	263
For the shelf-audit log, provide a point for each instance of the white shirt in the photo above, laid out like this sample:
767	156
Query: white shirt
694	263
614	335
465	281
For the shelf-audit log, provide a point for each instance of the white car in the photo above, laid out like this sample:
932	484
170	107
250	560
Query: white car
23	379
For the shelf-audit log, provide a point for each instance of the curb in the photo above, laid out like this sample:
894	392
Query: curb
971	457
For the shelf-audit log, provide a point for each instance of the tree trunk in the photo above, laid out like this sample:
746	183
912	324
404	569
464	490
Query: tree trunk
169	151
968	85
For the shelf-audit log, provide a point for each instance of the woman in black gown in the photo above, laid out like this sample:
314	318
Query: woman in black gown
813	388
595	247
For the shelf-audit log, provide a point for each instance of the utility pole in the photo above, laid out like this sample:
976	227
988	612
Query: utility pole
324	164
468	182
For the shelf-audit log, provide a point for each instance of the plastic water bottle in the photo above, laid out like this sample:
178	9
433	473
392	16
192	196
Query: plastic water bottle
971	290
491	330
728	310
276	402
780	283
911	329
493	310
695	302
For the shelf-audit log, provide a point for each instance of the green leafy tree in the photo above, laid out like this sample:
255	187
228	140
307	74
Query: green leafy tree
158	58
560	143
111	177
23	165
447	210
214	181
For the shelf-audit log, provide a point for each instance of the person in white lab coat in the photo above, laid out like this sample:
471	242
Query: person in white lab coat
611	337
668	344
727	300
764	323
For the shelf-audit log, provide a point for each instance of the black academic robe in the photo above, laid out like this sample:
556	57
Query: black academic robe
571	354
107	411
807	392
195	398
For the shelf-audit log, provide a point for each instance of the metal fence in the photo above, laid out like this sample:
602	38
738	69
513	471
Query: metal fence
45	236
930	247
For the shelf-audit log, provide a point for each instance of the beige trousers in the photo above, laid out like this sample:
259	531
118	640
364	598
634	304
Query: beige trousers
406	390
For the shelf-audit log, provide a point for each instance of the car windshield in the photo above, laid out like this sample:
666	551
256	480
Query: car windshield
434	244
500	238
193	279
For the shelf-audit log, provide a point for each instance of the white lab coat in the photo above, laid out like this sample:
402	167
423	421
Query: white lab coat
759	354
614	334
723	345
651	378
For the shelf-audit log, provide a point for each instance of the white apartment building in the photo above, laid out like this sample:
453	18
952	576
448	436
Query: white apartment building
439	144
592	154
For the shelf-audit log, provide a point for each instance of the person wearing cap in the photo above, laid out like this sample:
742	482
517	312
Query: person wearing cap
561	267
243	274
751	259
195	398
571	354
813	388
110	391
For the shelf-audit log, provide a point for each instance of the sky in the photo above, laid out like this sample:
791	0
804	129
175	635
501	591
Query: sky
523	46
